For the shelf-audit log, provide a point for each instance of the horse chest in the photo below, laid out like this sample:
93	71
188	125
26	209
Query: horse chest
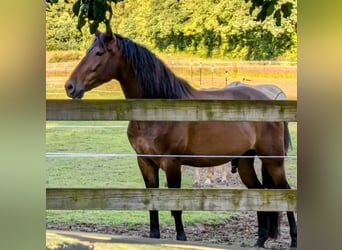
155	137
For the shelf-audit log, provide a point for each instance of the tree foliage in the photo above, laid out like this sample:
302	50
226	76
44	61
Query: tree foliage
275	8
207	28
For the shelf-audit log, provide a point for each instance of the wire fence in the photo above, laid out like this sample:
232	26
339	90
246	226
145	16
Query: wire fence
202	73
106	155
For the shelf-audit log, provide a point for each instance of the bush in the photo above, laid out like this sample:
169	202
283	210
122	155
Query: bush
65	56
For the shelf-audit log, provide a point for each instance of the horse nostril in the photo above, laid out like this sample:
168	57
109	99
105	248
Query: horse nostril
69	87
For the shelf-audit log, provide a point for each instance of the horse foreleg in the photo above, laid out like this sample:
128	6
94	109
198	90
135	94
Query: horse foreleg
210	177
197	177
224	173
173	175
149	172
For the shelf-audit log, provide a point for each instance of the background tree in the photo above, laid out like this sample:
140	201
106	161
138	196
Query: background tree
230	29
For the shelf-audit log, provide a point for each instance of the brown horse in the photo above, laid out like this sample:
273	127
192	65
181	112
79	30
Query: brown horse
142	75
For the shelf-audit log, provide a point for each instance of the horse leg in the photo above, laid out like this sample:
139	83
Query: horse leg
273	217
234	163
210	177
197	177
274	174
224	173
149	172
173	175
249	178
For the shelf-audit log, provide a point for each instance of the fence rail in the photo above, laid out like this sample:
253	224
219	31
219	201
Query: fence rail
175	199
171	110
171	199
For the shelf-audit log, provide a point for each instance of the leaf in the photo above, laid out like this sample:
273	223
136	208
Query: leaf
81	22
91	10
76	7
93	26
261	15
99	9
277	17
286	8
52	1
270	9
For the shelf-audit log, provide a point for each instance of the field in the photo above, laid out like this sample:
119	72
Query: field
110	137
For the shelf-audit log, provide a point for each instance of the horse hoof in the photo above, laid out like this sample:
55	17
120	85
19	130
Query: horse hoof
155	235
196	185
260	243
181	237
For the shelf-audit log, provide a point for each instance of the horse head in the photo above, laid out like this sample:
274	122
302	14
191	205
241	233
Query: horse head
101	63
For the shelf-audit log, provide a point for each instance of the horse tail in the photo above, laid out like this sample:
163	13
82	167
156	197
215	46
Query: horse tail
287	137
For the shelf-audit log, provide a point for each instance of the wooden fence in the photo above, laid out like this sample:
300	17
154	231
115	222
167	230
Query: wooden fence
171	199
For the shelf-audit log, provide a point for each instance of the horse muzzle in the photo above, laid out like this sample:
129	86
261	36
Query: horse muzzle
73	90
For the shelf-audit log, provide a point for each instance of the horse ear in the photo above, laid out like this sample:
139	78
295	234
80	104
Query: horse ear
97	33
109	32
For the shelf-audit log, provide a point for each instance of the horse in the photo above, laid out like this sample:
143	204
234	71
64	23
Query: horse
274	93
271	90
142	74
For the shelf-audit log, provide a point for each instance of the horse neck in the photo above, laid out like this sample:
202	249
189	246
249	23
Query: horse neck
177	88
130	89
128	83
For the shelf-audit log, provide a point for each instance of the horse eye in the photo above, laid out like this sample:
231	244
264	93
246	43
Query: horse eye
99	53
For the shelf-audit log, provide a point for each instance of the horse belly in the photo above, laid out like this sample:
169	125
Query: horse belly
209	139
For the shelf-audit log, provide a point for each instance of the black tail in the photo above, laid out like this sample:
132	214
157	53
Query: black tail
287	137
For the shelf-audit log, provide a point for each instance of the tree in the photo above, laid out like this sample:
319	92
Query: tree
100	11
266	8
61	32
207	28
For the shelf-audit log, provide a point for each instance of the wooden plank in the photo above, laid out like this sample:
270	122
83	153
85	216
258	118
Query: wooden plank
172	199
171	110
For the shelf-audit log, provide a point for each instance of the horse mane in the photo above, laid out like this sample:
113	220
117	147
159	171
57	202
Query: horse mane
154	78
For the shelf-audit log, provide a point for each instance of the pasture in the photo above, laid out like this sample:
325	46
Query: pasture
121	172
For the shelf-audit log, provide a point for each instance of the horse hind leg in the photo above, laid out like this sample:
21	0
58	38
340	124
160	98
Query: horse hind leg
197	177
149	172
173	175
273	217
249	177
224	173
210	177
274	177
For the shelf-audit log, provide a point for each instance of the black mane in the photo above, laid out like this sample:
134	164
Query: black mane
155	79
